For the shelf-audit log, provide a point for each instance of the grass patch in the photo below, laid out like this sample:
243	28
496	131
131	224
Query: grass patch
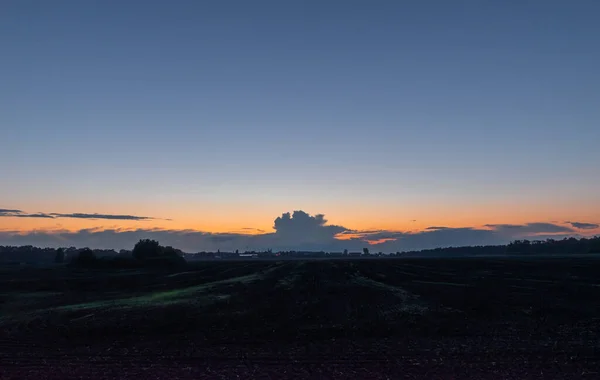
192	295
410	303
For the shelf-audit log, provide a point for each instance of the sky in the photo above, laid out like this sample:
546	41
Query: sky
216	118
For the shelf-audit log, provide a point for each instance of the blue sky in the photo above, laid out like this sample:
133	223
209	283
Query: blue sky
134	105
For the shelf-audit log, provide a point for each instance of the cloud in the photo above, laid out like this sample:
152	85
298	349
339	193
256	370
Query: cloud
101	216
372	235
297	231
38	215
530	228
446	237
21	214
301	231
7	211
190	241
304	224
584	226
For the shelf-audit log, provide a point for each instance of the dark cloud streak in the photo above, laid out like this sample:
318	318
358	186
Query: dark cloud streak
8	211
584	226
38	215
101	216
530	228
20	214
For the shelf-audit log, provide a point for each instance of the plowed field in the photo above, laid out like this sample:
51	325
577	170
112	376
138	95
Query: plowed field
354	319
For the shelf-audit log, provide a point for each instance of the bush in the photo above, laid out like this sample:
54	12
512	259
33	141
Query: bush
146	248
85	258
146	253
152	254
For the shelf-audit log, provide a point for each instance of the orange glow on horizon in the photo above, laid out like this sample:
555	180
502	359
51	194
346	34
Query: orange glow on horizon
258	218
24	225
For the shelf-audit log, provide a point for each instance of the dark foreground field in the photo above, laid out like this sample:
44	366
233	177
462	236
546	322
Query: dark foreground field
364	319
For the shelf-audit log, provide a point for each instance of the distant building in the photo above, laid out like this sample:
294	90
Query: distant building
251	255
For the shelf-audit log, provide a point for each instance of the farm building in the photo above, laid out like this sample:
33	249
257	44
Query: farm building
251	255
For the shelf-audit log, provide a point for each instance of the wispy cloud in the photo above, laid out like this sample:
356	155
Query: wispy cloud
37	215
21	214
531	228
584	226
7	211
101	216
13	213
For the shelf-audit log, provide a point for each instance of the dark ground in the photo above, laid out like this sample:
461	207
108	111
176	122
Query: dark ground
364	319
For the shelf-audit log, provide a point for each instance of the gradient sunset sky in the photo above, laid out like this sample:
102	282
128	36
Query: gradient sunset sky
219	116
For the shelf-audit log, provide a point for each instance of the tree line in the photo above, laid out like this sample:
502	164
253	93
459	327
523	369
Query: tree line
565	246
149	252
145	253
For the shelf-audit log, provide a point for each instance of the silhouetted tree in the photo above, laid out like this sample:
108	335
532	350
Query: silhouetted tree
85	258
147	249
170	251
151	253
59	258
87	254
345	252
365	251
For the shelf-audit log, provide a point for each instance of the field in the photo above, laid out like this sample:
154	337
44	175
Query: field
356	319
